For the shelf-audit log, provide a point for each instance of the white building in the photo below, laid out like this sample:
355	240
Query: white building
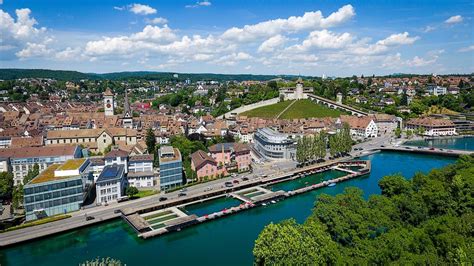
108	102
296	93
432	127
274	145
140	171
111	184
361	127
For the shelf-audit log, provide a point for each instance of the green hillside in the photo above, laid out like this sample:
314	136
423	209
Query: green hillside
299	109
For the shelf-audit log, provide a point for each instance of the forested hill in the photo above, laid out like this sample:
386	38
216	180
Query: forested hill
10	73
15	73
427	220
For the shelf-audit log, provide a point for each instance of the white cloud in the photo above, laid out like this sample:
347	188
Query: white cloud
119	8
34	50
198	4
398	39
324	39
158	20
140	9
467	49
232	59
454	19
69	54
309	21
429	29
272	43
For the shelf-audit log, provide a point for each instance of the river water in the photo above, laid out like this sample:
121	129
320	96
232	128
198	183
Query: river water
466	143
225	241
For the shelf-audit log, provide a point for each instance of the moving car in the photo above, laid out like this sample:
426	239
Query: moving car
162	198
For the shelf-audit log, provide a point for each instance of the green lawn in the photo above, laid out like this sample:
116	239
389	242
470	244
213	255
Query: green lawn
38	222
306	109
269	111
144	193
301	109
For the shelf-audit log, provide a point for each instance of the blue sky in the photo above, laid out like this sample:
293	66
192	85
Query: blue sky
334	38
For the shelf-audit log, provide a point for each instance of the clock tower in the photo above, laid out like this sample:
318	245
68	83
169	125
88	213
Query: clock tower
108	102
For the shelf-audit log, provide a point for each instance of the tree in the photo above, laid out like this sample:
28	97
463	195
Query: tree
131	191
17	196
409	134
6	184
398	132
150	141
32	173
425	220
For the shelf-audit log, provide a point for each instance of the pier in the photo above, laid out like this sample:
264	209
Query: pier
427	150
151	221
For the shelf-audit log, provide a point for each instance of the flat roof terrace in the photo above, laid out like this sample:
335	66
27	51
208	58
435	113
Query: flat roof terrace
72	164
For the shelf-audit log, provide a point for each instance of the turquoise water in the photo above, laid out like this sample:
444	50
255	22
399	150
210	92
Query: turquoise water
446	143
226	241
307	180
212	206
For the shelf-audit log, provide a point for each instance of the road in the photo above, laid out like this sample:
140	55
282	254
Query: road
102	213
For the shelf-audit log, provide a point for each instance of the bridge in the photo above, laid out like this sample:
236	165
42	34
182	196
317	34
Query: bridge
427	150
335	105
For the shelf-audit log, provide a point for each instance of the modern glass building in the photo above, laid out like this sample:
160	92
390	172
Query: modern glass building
61	188
111	184
171	167
274	145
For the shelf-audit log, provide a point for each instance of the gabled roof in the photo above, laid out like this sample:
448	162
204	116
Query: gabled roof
116	153
108	92
200	158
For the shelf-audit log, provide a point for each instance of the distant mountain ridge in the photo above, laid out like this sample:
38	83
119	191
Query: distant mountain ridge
15	73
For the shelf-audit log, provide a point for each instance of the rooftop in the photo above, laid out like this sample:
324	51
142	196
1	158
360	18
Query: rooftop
72	164
44	151
169	156
48	175
111	172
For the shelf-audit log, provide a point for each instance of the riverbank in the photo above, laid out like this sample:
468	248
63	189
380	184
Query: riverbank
226	241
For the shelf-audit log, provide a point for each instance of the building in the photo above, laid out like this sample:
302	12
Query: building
171	167
21	160
234	156
118	157
274	145
437	90
432	127
385	123
360	127
96	140
108	102
140	171
111	184
204	166
296	93
61	188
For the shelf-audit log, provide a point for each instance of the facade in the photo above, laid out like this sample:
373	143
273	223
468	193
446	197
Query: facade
385	123
171	167
232	155
21	160
140	171
61	188
432	127
108	102
96	140
274	145
117	157
360	127
111	184
296	93
205	166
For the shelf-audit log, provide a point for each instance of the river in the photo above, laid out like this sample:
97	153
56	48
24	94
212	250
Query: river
466	143
226	241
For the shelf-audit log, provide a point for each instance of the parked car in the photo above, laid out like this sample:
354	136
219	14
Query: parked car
236	181
162	198
88	218
245	179
228	184
182	194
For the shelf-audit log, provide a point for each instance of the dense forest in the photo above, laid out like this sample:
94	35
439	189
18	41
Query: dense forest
8	74
426	220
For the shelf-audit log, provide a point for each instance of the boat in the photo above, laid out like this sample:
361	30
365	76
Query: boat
264	204
273	201
331	184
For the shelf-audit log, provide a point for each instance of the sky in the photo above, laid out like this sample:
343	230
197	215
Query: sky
315	38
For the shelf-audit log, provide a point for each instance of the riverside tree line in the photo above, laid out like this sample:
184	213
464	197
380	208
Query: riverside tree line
314	147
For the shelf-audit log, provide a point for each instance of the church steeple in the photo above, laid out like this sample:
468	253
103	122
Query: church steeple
127	119
108	102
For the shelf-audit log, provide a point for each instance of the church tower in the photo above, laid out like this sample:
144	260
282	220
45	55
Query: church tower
108	102
127	119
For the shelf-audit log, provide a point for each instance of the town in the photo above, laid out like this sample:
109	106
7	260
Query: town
108	146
